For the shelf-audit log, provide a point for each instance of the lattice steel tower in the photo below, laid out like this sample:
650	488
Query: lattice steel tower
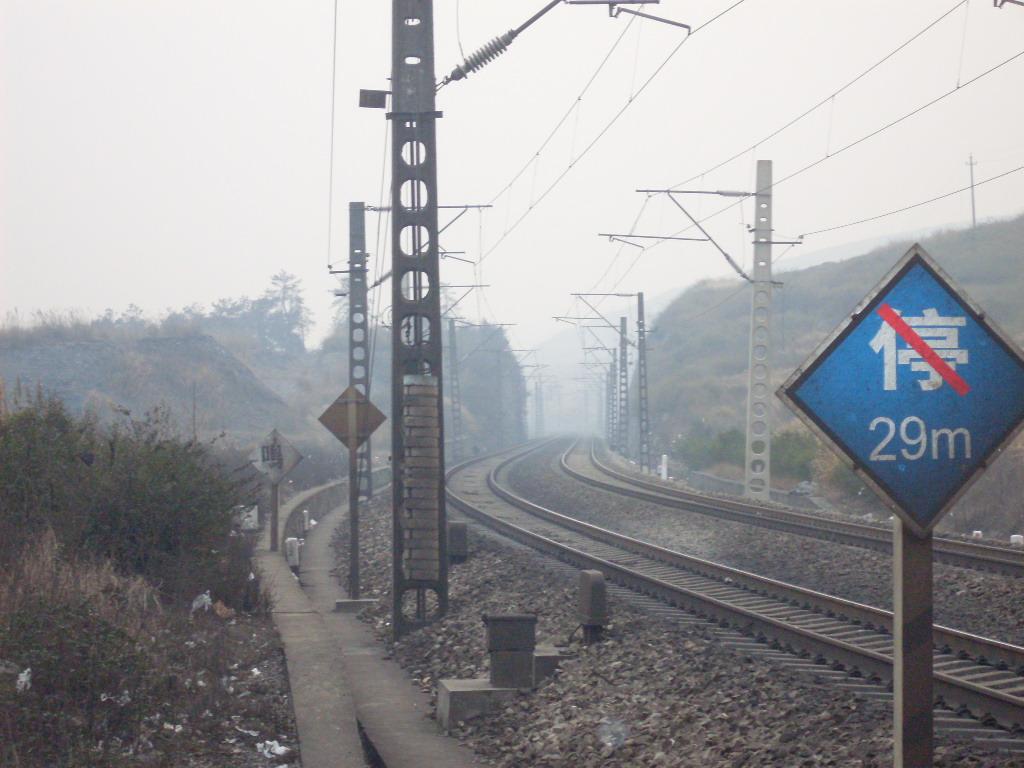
420	556
454	394
644	440
622	417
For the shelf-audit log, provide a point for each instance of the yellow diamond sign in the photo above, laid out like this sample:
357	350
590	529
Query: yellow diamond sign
352	418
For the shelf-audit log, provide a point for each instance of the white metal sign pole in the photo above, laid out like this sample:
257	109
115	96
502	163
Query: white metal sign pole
912	648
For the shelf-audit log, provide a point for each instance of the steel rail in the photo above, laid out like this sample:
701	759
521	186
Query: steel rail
794	618
979	557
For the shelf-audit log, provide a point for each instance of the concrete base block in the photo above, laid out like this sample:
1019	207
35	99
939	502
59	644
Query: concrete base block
353	606
512	669
545	661
460	700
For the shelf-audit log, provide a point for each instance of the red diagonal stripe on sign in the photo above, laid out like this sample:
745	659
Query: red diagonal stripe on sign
920	346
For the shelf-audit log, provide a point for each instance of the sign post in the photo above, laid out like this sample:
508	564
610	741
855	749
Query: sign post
275	457
918	392
352	418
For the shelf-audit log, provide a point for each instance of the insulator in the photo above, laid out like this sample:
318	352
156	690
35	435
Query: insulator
483	56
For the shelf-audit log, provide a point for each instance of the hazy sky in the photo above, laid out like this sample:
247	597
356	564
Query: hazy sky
171	152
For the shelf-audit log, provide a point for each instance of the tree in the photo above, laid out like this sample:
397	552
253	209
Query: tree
285	315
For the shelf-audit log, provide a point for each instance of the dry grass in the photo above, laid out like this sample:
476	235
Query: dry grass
119	677
41	575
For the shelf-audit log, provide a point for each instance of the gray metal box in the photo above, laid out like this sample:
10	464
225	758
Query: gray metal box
511	632
593	599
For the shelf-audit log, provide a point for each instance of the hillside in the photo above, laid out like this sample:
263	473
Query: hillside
139	374
698	357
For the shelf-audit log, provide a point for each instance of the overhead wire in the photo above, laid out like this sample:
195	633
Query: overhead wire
330	162
561	121
608	126
374	299
830	98
855	142
918	204
786	126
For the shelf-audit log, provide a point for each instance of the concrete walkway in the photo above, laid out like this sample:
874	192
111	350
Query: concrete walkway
321	694
393	712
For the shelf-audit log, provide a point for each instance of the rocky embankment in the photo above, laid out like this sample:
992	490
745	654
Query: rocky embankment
652	694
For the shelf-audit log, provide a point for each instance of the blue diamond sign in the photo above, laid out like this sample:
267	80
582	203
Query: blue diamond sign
918	391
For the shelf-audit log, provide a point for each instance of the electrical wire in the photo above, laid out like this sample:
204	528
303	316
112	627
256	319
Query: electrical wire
856	142
608	126
568	113
963	42
458	28
330	162
373	299
825	100
913	205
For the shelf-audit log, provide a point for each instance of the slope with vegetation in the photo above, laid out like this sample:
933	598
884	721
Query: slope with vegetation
698	356
108	533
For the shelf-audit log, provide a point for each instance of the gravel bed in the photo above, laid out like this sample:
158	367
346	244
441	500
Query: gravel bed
652	694
986	604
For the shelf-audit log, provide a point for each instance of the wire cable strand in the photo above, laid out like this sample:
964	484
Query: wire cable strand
607	127
564	117
822	102
330	162
856	142
913	205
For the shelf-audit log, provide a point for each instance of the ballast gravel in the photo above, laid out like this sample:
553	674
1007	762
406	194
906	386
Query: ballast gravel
982	603
652	694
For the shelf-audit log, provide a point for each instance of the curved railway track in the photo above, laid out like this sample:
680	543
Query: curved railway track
596	473
972	673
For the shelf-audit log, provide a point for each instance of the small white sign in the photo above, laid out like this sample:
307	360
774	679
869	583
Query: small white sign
275	457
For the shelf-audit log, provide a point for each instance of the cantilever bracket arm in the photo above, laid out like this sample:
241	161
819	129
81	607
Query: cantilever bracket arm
714	242
619	9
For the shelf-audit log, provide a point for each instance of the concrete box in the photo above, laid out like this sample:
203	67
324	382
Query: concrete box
461	700
545	661
593	599
458	543
512	669
511	631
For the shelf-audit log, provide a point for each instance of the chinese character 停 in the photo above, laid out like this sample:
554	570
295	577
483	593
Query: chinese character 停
939	333
271	454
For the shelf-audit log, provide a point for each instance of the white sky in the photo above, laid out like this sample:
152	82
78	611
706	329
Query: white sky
176	151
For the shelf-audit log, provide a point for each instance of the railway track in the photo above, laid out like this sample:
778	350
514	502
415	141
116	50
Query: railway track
972	674
587	467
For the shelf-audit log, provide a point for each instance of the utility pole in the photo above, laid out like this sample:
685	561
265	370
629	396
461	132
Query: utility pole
644	444
622	419
611	410
538	407
622	407
759	390
974	218
499	398
420	551
359	456
359	336
454	393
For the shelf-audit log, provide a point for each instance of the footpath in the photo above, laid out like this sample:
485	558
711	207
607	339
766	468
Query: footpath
341	681
321	695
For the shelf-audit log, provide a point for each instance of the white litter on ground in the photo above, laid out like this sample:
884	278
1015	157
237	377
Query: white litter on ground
202	602
272	749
